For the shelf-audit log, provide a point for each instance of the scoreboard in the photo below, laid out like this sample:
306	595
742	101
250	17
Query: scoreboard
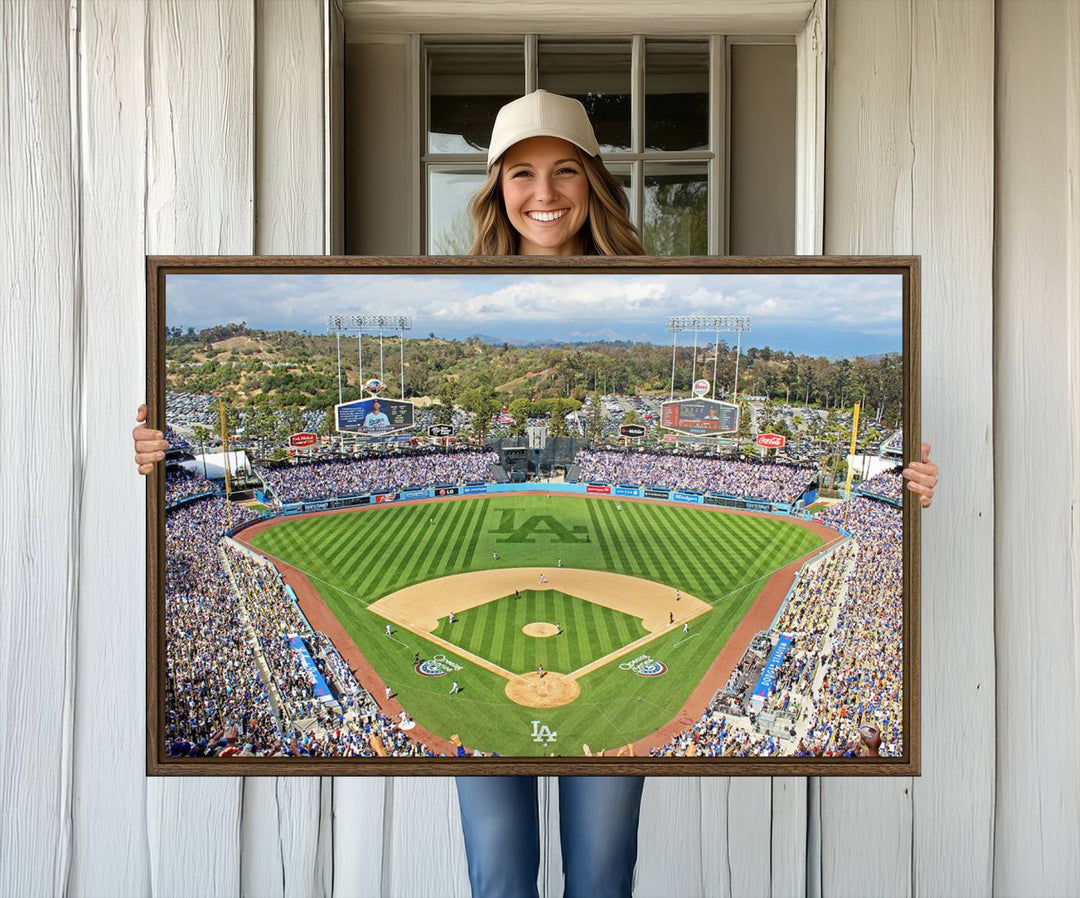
700	417
374	416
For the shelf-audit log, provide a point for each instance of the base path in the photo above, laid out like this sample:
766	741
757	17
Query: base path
419	607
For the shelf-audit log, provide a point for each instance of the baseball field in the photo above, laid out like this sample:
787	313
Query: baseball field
623	604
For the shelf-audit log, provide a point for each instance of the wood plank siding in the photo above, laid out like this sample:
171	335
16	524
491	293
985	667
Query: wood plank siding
952	131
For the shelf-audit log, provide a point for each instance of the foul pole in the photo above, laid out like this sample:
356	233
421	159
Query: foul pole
851	467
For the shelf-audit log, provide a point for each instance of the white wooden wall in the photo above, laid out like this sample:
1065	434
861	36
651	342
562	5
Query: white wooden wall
188	126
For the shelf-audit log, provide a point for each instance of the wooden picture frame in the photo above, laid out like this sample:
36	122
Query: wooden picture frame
867	303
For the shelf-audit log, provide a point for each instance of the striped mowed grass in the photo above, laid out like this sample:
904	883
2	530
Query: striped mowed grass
494	631
355	558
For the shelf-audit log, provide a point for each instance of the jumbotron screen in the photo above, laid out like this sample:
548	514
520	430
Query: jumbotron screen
700	417
374	416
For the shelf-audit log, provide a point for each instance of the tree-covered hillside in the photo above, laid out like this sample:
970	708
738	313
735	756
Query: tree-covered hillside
288	369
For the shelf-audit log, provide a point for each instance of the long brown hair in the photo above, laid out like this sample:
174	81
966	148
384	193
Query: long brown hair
607	231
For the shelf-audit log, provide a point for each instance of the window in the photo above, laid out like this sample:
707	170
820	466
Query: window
660	108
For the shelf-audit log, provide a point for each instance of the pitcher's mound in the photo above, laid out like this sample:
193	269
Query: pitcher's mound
539	628
549	691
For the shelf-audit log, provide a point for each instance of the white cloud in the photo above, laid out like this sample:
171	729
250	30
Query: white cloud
546	304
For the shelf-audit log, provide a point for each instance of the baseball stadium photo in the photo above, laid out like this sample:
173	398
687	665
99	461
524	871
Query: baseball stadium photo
529	515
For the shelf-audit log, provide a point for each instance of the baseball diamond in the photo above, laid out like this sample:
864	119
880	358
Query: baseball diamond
611	583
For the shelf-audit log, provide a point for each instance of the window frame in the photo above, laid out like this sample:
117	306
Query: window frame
810	115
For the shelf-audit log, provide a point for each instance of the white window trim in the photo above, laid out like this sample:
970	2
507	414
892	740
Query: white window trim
810	134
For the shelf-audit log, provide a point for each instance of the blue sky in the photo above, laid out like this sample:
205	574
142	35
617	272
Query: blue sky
816	314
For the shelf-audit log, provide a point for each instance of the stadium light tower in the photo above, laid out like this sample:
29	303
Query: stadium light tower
381	324
714	324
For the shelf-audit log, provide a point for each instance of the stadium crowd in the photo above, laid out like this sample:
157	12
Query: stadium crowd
176	441
212	681
844	668
183	484
217	702
807	617
715	736
274	617
864	669
774	483
889	484
301	483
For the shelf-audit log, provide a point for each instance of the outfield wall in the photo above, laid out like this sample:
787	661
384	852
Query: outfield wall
594	488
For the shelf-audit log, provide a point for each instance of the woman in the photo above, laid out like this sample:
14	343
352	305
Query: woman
547	193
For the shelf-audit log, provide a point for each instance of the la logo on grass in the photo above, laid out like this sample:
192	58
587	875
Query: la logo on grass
543	733
534	525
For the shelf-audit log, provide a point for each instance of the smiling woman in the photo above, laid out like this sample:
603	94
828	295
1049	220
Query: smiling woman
547	190
546	195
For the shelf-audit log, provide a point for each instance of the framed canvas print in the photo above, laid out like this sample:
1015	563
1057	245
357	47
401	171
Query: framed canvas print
546	516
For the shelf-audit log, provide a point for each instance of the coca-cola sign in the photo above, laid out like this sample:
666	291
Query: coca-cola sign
771	440
303	440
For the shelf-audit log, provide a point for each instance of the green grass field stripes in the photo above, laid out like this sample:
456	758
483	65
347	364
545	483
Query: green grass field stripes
597	528
357	557
494	631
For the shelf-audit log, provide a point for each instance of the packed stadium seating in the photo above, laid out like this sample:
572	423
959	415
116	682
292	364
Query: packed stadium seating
301	483
774	483
844	668
228	665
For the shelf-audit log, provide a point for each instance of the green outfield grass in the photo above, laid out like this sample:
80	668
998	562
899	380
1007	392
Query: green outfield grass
357	557
494	631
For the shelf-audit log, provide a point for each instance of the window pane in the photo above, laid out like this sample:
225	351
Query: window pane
676	95
676	209
466	87
449	191
597	74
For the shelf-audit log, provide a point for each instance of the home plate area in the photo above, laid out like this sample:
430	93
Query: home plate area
503	622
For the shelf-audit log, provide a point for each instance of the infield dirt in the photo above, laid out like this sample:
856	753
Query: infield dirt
419	607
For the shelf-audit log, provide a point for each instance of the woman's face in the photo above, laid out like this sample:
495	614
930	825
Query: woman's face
546	195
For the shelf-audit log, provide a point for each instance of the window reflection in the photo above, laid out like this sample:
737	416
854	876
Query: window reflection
450	230
676	95
467	85
676	209
597	74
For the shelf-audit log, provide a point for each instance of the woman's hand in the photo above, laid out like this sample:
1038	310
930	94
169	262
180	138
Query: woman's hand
150	445
871	742
922	476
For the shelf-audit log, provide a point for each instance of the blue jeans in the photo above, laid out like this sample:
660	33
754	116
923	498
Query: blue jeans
598	818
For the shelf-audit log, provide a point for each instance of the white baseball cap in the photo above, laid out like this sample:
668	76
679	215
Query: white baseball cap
541	114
